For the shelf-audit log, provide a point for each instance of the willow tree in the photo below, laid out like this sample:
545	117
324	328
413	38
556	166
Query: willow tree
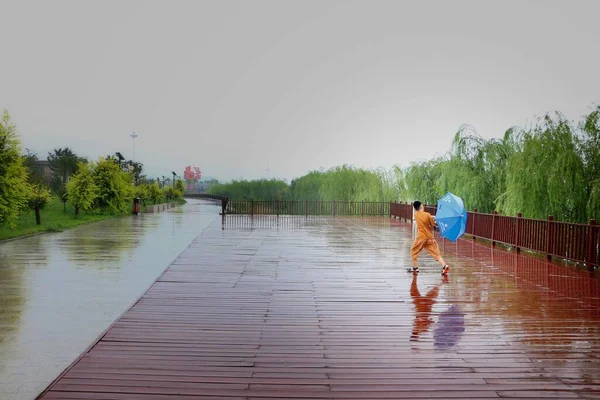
308	187
546	176
423	180
393	184
476	168
590	149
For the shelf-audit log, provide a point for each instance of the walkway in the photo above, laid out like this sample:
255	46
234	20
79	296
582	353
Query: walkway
324	309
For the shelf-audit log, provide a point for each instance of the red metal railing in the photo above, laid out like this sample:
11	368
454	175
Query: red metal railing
568	241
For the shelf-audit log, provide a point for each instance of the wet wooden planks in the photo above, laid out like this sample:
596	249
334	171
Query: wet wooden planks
323	309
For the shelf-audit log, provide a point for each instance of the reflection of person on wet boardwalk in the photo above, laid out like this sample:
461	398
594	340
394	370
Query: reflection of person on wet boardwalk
423	306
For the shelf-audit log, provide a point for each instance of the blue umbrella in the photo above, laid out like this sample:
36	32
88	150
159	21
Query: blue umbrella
451	217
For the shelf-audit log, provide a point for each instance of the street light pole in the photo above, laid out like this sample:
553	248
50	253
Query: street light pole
133	136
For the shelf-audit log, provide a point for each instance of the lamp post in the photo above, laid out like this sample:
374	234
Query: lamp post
133	136
174	175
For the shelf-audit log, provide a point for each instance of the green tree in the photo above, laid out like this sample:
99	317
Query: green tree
590	150
30	160
14	188
476	168
142	192
63	195
423	181
115	185
135	169
63	163
82	190
155	193
39	197
169	193
546	176
179	189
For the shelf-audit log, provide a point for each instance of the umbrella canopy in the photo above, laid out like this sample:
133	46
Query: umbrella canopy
451	217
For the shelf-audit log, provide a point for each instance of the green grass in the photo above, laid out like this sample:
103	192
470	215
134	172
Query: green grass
54	219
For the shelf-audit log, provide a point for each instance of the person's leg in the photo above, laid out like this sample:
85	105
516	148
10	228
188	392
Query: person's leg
432	248
415	249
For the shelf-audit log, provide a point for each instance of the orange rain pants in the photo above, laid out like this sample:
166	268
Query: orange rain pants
430	245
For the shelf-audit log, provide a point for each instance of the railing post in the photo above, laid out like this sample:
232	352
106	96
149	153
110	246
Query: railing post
390	209
362	208
494	227
334	208
549	231
306	208
518	232
278	207
474	237
591	248
252	207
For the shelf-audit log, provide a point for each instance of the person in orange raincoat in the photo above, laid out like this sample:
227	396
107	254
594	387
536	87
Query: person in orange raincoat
425	224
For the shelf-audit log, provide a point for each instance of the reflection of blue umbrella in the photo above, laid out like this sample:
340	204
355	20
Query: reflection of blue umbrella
451	217
449	329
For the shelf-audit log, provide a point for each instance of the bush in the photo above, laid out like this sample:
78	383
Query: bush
115	186
82	190
155	193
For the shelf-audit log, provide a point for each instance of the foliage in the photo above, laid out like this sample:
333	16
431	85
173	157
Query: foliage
475	169
552	168
192	175
115	186
35	176
63	163
179	189
546	177
169	193
63	195
14	188
142	192
82	190
343	183
39	197
590	150
155	193
135	169
422	180
246	190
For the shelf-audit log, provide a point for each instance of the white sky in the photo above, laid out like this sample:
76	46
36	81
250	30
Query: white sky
236	86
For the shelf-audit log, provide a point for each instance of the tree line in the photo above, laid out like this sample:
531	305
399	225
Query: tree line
549	168
108	185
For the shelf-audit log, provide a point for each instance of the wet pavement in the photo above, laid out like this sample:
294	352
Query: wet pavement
60	291
323	308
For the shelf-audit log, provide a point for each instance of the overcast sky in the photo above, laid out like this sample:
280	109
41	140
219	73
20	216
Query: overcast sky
235	87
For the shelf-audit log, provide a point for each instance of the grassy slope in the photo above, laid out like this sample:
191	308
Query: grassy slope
54	219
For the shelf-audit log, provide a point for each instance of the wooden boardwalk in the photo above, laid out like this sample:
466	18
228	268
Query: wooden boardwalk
323	308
